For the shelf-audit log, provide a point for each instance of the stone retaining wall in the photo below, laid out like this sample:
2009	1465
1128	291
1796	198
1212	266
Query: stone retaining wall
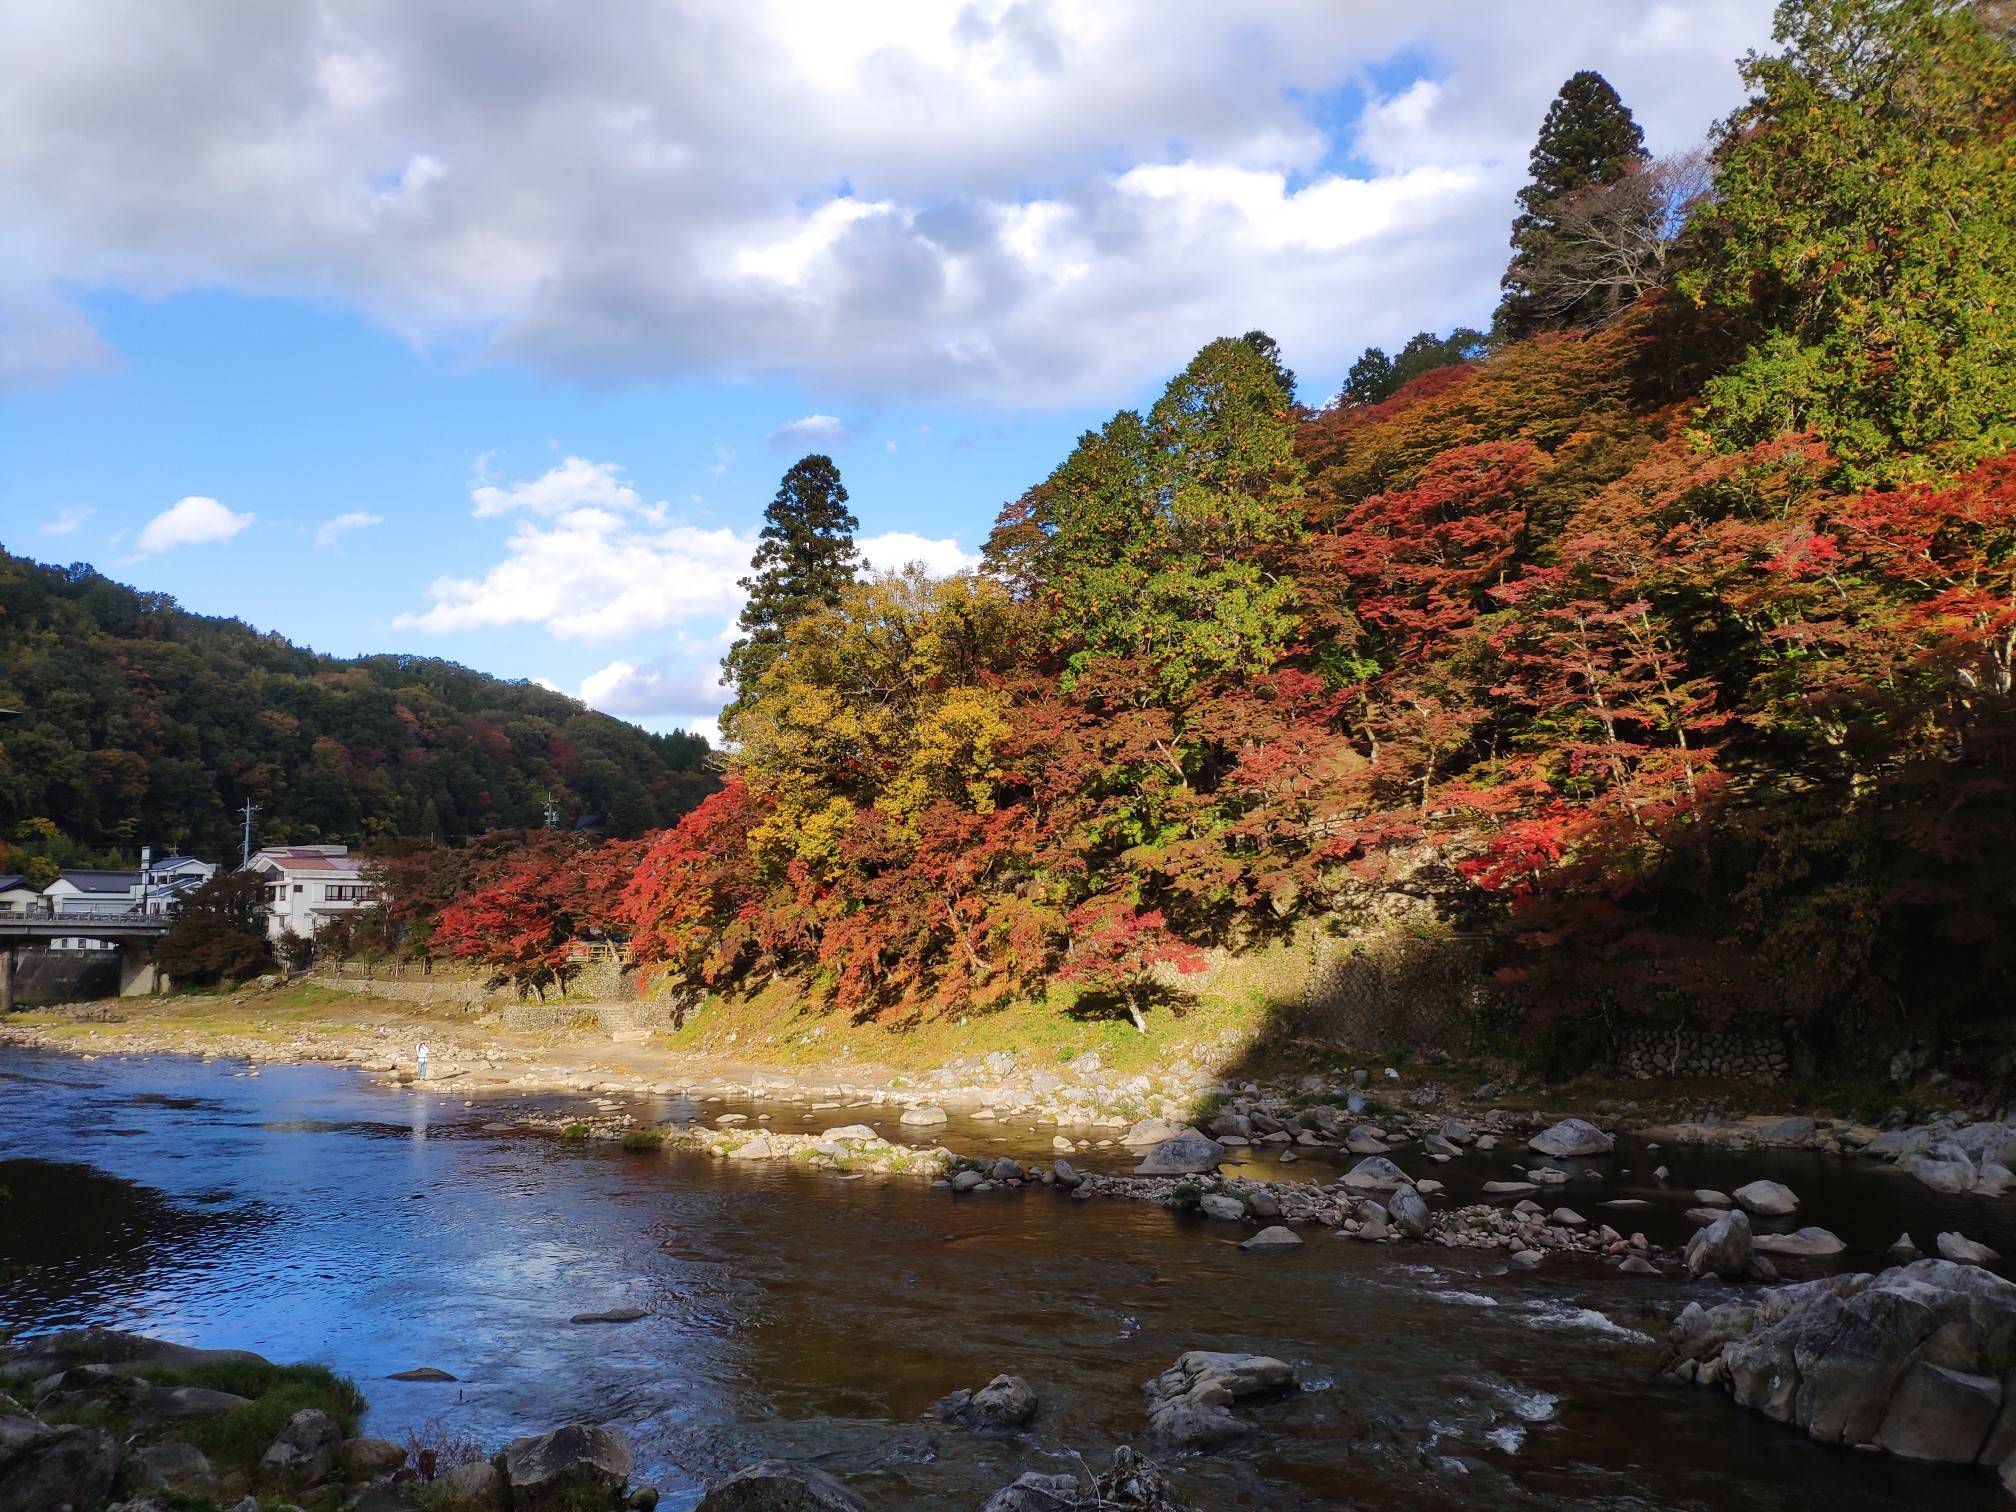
1681	1051
1384	993
442	988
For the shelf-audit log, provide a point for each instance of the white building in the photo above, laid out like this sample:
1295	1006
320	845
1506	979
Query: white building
308	885
84	893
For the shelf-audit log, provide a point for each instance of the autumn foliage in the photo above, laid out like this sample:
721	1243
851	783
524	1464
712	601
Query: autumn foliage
1673	706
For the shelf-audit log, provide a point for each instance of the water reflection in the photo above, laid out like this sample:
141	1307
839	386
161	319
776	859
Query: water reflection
308	1215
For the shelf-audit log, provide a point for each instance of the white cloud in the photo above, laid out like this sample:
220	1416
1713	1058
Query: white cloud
67	521
574	484
1026	202
897	549
685	682
343	524
813	430
596	564
193	521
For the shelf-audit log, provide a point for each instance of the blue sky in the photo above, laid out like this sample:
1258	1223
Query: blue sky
392	329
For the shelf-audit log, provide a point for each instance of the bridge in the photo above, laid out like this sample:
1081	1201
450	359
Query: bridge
131	931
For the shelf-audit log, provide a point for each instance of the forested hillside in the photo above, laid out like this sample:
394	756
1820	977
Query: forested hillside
141	723
1666	638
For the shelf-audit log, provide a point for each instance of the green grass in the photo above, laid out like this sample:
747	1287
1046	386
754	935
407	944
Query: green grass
278	1392
575	1131
643	1141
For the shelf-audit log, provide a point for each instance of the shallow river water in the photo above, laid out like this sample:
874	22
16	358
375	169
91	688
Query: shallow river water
308	1214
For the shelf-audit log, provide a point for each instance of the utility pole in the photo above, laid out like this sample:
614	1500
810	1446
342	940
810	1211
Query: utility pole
245	852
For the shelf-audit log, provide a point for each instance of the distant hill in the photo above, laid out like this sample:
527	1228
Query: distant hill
141	723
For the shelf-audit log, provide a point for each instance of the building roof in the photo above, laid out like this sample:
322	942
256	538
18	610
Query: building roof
311	860
85	880
12	881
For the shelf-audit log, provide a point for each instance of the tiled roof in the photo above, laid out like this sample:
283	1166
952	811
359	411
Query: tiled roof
9	882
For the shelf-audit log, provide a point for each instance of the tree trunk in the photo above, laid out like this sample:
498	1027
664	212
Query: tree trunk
1134	1013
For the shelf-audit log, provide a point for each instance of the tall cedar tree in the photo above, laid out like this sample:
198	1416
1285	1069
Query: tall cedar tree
219	933
1864	221
806	558
1588	139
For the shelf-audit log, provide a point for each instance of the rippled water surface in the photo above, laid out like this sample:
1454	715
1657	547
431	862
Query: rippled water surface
309	1215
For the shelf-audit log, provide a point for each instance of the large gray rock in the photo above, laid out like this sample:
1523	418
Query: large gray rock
1987	1143
305	1451
1805	1243
181	1467
1188	1402
1364	1140
1944	1167
1722	1248
1152	1131
1959	1248
1222	1206
63	1470
1911	1360
1766	1199
476	1485
1035	1491
923	1117
1572	1136
1940	1415
1275	1236
779	1486
46	1354
565	1468
1001	1406
1408	1212
1188	1154
1375	1173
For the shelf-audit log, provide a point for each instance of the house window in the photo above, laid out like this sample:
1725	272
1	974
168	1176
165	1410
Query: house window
297	887
343	892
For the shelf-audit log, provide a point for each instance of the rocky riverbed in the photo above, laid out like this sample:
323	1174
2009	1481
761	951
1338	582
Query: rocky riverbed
1450	1203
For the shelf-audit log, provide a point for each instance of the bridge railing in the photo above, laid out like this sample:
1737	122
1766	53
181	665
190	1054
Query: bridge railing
88	911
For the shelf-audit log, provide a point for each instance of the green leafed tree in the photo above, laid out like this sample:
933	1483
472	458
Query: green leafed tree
805	558
219	932
1152	540
1587	140
1864	222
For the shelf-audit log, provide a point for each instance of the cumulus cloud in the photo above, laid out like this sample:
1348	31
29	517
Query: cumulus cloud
683	682
1024	202
896	549
193	521
813	430
343	524
592	563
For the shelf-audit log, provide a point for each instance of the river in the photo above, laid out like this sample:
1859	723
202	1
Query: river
308	1214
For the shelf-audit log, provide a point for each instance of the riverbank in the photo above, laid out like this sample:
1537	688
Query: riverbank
1030	1057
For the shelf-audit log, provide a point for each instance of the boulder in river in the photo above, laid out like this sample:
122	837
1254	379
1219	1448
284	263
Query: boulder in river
1911	1361
1365	1140
611	1315
1766	1199
1375	1173
922	1117
1944	1167
1572	1136
779	1486
424	1373
1722	1248
48	1354
1958	1248
1001	1406
1222	1206
1277	1236
1806	1242
569	1467
1152	1131
1187	1154
1408	1212
1187	1403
